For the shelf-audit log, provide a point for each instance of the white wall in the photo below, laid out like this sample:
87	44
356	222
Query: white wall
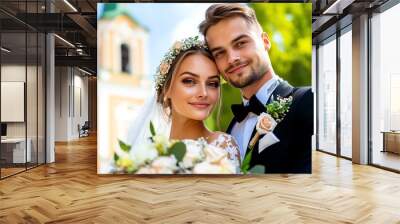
71	94
62	81
13	73
80	112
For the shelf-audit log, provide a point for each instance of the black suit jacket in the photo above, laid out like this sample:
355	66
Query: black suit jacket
293	153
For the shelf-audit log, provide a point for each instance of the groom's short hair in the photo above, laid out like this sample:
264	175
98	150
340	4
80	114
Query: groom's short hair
217	12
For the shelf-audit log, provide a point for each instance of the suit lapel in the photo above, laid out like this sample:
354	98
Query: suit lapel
283	90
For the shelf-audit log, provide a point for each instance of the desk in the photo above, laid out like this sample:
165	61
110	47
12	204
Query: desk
391	141
18	150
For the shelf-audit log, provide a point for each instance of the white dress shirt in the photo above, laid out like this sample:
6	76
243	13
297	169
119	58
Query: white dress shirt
242	131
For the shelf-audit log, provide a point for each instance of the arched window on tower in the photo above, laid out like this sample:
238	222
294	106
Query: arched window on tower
125	59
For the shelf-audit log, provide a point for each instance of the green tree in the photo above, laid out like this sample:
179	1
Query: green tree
288	26
222	114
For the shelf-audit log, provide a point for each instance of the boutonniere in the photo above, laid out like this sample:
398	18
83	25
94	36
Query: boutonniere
278	109
266	122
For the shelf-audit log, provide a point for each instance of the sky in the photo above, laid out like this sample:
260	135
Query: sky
166	22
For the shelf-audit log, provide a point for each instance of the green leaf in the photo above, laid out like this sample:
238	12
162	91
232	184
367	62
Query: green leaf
152	131
246	162
275	115
291	55
125	147
178	150
131	169
116	157
244	169
257	169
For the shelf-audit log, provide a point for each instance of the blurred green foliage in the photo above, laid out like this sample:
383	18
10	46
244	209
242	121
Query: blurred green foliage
288	26
289	29
229	96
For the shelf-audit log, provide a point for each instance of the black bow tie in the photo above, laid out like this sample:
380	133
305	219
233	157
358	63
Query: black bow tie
240	111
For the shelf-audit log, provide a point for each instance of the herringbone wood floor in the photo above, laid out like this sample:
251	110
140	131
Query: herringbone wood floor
70	191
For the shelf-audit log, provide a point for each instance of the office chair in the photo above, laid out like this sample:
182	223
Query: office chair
84	130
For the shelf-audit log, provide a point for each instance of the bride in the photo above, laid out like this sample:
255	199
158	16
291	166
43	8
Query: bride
187	90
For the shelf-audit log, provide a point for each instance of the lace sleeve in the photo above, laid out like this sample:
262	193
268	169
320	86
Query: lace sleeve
228	143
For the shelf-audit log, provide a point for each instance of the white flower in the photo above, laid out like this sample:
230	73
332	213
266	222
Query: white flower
224	166
214	154
161	143
143	153
164	68
206	168
146	170
194	154
177	45
217	162
265	123
164	164
227	166
125	161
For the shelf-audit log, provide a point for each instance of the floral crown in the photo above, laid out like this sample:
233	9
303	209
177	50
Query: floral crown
169	57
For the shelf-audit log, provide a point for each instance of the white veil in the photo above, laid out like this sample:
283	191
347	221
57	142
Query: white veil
139	130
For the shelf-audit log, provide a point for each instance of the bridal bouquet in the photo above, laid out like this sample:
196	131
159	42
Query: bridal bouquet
164	156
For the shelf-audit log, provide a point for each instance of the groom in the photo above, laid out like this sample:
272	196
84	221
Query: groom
240	49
